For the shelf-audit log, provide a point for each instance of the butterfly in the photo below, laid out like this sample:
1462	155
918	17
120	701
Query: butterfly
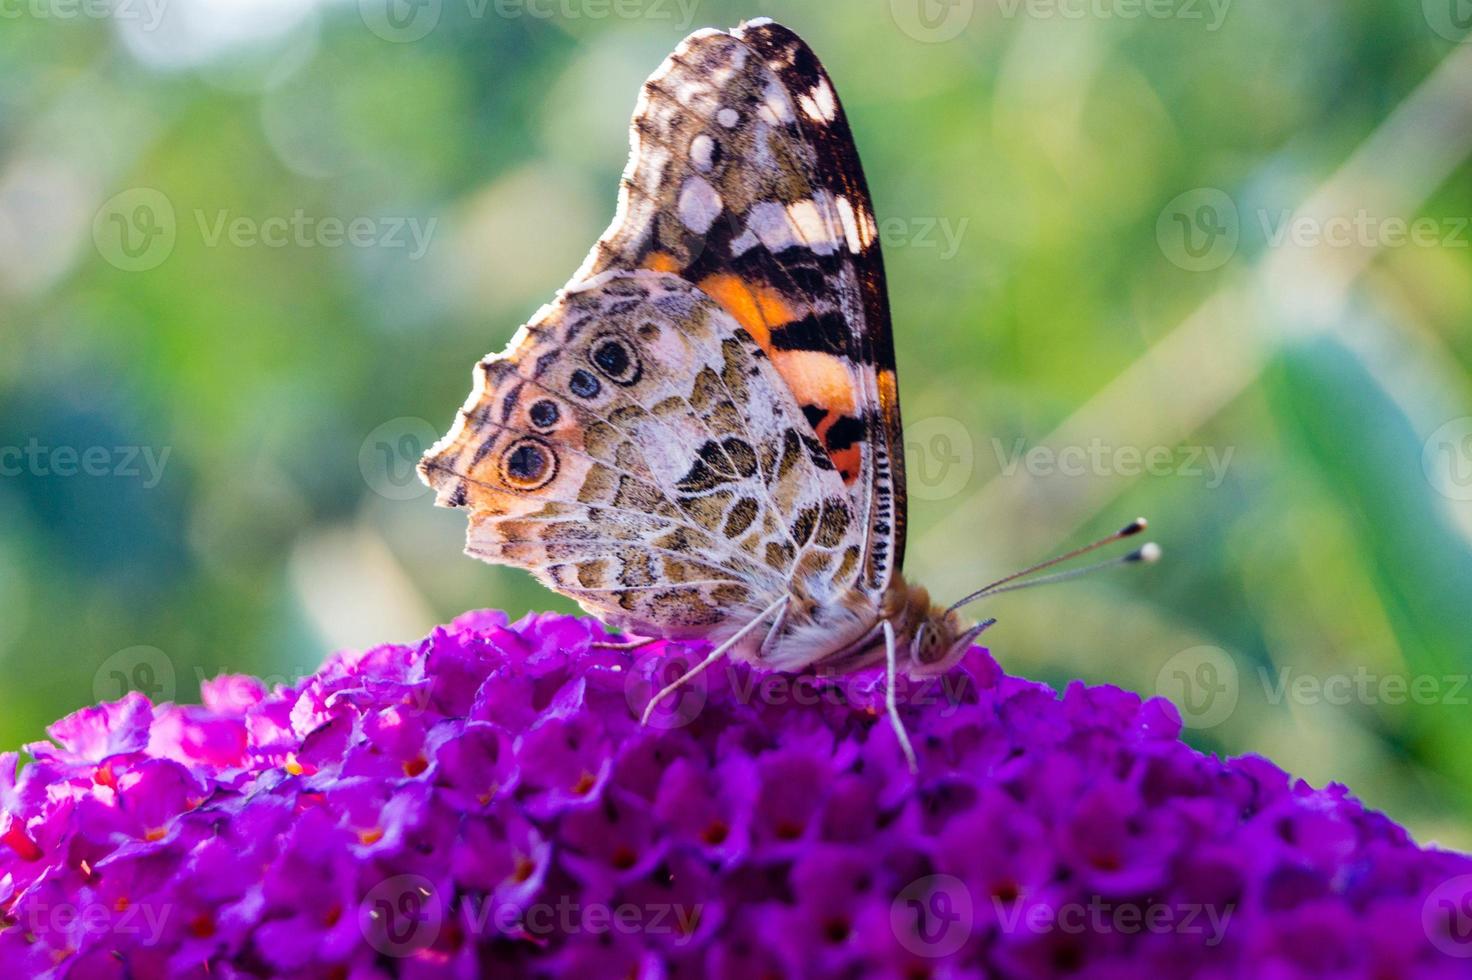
699	436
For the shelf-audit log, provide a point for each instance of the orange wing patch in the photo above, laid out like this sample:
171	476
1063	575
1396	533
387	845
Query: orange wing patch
816	378
848	460
662	262
757	307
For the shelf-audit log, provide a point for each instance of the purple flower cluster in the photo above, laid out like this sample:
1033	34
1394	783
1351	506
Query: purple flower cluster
486	803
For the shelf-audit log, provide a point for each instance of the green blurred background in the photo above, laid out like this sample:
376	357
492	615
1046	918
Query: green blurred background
250	249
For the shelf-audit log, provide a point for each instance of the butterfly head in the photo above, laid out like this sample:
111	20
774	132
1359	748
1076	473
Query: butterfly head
940	641
939	637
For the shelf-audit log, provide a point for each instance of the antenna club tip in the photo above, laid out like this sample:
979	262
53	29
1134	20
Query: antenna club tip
1134	527
1148	553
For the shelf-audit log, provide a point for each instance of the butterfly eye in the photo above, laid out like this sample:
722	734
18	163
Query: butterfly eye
616	361
528	464
930	650
544	414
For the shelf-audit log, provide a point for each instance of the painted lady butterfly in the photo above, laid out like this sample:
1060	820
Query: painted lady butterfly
700	435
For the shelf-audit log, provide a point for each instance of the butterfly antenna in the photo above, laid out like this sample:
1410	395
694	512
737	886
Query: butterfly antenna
1146	553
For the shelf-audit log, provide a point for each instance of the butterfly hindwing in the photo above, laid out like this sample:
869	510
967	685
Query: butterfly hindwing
744	179
635	449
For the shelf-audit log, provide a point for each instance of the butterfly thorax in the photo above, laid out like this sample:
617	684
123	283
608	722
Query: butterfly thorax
848	634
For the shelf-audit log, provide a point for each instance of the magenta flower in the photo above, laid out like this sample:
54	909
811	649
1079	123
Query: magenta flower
486	803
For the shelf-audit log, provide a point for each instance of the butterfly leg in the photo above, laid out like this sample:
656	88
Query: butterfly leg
714	656
622	645
890	706
776	627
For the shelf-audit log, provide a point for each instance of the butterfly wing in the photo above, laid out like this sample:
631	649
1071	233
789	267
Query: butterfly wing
635	449
744	179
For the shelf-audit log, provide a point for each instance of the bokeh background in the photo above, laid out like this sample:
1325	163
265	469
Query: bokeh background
1204	261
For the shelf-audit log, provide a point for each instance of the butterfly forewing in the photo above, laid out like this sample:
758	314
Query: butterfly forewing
744	179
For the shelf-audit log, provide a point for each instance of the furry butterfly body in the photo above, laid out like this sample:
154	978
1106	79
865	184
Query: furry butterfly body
700	435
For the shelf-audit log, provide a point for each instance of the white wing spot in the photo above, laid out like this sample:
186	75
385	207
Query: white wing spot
778	228
776	108
858	227
814	227
820	105
766	224
690	90
703	152
699	205
868	227
728	117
